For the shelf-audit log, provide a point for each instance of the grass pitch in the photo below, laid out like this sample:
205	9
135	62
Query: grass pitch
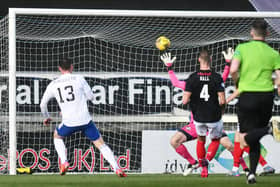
134	180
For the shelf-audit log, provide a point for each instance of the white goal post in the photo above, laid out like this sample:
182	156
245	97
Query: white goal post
136	49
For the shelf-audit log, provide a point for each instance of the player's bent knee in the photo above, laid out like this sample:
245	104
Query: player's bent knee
174	142
177	140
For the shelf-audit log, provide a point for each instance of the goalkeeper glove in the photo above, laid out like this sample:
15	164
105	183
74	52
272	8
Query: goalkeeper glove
228	54
166	59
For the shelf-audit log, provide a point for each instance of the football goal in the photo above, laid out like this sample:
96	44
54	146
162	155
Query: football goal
114	50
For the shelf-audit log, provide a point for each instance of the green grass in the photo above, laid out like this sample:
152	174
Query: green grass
132	180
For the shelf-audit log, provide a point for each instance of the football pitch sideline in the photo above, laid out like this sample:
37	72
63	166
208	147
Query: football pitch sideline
133	180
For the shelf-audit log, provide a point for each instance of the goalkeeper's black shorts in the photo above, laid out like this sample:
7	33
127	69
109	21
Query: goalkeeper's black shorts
254	110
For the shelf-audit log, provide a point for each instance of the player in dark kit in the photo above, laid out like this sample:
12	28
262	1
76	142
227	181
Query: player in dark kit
205	91
188	132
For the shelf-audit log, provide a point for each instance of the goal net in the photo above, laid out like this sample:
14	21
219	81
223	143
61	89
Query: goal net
115	52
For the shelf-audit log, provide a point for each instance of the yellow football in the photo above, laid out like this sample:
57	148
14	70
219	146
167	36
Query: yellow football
162	43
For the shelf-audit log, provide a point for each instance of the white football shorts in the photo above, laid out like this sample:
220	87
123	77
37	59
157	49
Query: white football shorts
215	129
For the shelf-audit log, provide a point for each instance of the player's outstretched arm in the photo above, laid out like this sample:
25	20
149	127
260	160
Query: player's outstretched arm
228	57
168	62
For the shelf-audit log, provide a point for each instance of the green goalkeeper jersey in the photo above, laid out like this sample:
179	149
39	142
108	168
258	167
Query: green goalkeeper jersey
257	62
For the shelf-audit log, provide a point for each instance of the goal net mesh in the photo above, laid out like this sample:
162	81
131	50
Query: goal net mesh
118	58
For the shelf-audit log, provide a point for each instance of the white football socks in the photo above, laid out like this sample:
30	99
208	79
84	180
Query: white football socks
109	156
60	149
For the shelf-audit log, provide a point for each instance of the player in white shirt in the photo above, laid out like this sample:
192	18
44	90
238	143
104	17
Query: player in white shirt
71	93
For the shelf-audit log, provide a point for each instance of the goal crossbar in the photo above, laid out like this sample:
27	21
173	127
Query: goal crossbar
145	13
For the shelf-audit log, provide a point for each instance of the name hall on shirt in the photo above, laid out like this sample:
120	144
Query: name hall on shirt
204	78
